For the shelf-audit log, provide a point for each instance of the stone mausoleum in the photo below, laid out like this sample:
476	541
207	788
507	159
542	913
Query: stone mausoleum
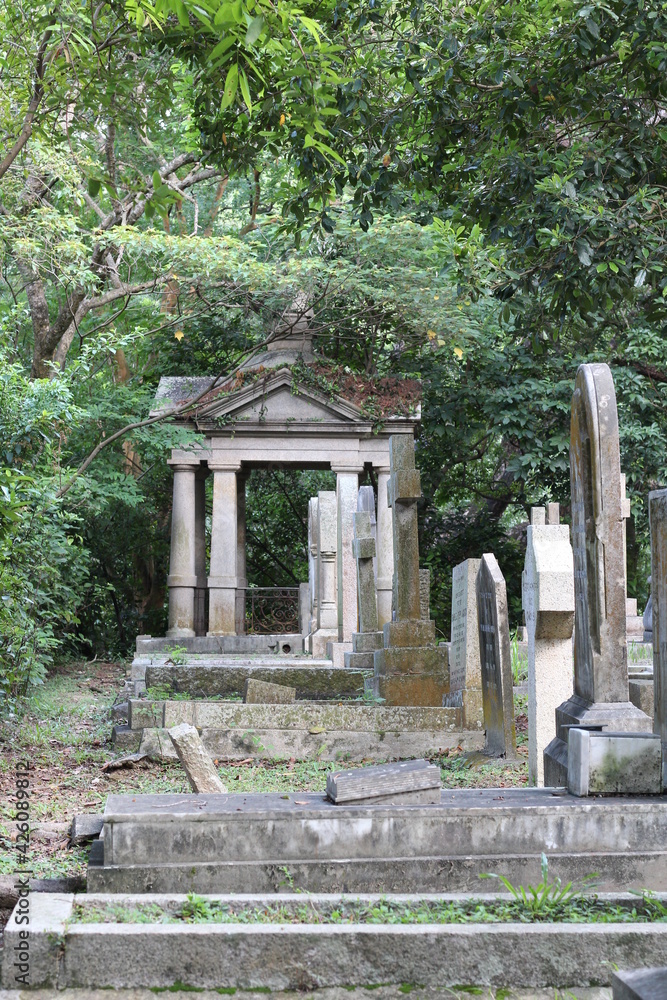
280	410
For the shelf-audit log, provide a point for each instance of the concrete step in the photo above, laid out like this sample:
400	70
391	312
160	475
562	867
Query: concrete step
206	678
64	953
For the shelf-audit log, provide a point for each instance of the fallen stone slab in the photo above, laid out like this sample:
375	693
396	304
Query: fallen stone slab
258	692
196	762
267	956
640	984
86	827
409	781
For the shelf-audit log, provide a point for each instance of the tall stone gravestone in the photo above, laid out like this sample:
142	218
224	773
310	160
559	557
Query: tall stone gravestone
368	638
465	671
657	510
410	669
600	655
547	588
495	659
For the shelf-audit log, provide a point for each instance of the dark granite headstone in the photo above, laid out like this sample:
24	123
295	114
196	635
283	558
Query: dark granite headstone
657	511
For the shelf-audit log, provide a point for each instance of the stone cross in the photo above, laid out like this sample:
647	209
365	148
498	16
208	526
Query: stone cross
547	588
363	548
495	657
465	674
403	492
657	511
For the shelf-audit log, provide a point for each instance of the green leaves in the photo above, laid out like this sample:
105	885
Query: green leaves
231	86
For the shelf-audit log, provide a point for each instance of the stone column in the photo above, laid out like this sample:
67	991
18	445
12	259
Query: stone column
327	605
182	579
404	492
241	580
547	587
347	488
657	510
313	561
222	580
385	550
200	551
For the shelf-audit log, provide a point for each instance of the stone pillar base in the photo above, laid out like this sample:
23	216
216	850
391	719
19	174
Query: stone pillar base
617	717
469	700
411	675
337	651
180	633
364	645
319	640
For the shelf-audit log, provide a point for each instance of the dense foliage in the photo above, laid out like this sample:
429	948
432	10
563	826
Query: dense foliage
469	193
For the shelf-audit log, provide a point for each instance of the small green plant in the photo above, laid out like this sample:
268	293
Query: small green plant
177	655
544	897
518	661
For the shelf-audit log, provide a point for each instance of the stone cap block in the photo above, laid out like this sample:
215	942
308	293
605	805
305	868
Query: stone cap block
411	632
404	485
365	784
415	660
263	693
363	548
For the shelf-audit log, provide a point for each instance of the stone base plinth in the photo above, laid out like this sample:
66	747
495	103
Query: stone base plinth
319	640
337	651
411	632
364	645
617	717
470	702
642	695
411	675
614	763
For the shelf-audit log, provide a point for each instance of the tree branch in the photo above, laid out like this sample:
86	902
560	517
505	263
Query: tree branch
35	101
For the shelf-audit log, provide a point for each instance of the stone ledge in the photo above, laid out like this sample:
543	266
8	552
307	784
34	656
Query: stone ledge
248	956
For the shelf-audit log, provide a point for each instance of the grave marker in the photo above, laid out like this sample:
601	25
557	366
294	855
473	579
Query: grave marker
465	672
368	638
495	658
547	587
410	669
195	759
600	655
408	781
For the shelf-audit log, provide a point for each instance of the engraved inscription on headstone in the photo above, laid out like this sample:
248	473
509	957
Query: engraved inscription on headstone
496	667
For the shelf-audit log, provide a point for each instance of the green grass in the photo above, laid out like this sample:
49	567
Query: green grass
573	908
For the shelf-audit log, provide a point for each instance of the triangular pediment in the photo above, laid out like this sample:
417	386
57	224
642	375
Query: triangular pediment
279	398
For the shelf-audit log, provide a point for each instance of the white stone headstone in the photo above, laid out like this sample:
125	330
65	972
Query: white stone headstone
548	604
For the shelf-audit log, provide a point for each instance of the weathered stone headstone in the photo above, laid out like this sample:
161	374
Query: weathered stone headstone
409	781
368	638
195	759
465	672
264	693
657	511
411	669
600	655
547	588
313	543
495	658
